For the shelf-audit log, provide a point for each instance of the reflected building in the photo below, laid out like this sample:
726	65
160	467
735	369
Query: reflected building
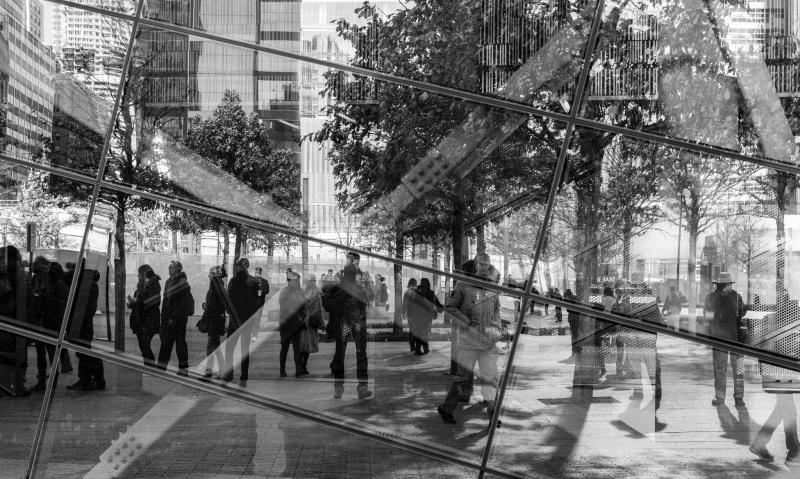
26	79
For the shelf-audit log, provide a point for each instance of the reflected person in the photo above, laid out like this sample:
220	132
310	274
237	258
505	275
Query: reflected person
145	305
292	317
729	310
214	320
17	306
177	306
91	375
786	412
243	294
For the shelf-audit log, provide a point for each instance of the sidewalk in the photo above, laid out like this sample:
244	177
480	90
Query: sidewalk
545	431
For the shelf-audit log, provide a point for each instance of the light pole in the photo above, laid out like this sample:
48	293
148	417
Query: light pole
678	264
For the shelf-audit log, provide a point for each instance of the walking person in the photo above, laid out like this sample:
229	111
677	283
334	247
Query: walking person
556	294
213	321
424	290
244	304
346	304
573	319
477	312
727	323
309	337
672	308
145	319
177	306
292	303
262	286
91	376
785	412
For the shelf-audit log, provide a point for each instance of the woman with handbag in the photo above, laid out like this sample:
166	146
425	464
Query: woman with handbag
145	305
309	337
213	321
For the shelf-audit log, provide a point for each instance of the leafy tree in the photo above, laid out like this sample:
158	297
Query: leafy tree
239	144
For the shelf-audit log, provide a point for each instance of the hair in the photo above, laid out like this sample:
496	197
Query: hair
147	271
243	262
468	268
424	284
607	291
178	265
412	282
55	272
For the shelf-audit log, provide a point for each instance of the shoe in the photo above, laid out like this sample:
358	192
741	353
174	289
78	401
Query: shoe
364	393
243	383
227	378
208	374
761	452
717	401
301	374
418	353
338	390
739	402
446	416
283	374
183	372
99	386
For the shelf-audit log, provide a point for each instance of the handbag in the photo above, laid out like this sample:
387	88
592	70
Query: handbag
202	324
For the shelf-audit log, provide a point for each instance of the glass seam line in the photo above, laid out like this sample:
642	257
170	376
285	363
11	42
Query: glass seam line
540	240
637	324
459	94
55	170
50	389
266	403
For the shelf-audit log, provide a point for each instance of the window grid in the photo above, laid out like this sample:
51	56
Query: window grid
572	121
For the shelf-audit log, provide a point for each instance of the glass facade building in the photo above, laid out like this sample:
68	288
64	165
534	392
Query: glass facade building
502	238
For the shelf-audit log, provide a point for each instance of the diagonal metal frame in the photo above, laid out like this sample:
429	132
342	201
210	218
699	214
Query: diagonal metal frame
56	361
544	227
573	120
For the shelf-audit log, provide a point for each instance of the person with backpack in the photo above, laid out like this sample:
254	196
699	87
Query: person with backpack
177	306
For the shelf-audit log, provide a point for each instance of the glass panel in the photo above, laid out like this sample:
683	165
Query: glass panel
43	220
142	426
659	416
723	75
163	279
20	406
366	169
509	49
59	85
657	233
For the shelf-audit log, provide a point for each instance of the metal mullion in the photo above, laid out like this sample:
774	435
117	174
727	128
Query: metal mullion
69	174
50	390
543	229
455	93
28	333
242	396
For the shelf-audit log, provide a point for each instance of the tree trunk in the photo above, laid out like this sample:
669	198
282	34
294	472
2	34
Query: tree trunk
564	280
780	259
457	234
506	247
270	252
226	247
691	285
397	328
120	275
174	242
480	240
237	242
626	253
586	267
435	265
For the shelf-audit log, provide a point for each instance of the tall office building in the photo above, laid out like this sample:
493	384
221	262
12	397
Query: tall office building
90	46
26	75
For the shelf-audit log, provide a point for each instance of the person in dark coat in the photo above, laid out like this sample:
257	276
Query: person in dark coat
91	375
425	291
16	306
346	303
145	319
408	297
177	306
54	304
292	321
729	310
243	294
214	318
572	319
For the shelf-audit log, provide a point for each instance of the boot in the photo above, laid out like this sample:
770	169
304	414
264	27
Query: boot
363	391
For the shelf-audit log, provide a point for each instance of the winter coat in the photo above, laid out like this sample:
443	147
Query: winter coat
383	294
81	323
178	303
54	303
419	313
292	314
214	313
345	303
145	311
477	314
729	311
243	292
309	339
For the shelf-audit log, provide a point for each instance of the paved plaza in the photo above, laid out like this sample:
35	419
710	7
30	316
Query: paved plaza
548	427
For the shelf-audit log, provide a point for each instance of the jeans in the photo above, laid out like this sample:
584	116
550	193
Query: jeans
487	364
294	342
173	334
785	412
144	346
342	333
242	335
721	370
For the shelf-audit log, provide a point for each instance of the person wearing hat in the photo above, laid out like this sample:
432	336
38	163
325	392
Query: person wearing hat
728	309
